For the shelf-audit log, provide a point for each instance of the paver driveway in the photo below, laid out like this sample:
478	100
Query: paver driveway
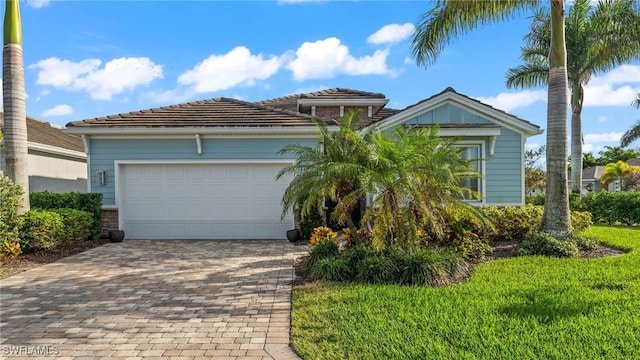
143	299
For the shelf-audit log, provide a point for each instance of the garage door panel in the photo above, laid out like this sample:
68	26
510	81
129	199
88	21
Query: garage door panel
203	201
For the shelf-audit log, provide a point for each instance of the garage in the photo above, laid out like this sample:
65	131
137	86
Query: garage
202	201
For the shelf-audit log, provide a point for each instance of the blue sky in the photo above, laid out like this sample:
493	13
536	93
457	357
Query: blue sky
85	59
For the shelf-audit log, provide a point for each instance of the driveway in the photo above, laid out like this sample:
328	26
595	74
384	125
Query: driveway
141	299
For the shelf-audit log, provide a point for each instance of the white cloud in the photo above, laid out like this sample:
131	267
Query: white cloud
44	92
390	34
237	67
116	77
60	110
37	3
617	87
596	142
603	118
510	101
329	57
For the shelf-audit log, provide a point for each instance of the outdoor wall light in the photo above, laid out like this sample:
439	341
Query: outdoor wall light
101	177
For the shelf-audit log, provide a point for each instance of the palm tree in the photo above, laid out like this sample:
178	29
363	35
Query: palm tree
599	38
449	19
14	126
328	171
632	134
415	176
616	171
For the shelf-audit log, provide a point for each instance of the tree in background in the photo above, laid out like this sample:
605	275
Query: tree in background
617	171
447	20
632	134
612	154
599	37
534	175
14	126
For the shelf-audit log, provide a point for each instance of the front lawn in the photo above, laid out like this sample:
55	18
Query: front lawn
516	308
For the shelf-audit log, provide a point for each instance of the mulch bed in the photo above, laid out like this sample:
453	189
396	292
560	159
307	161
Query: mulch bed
10	265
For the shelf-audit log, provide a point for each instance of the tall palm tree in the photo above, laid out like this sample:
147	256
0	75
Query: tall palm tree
449	19
599	38
632	134
14	126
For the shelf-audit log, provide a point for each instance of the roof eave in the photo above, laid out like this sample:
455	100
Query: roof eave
236	130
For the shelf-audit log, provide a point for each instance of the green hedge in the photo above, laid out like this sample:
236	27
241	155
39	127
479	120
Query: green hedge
10	194
41	230
605	207
77	224
89	202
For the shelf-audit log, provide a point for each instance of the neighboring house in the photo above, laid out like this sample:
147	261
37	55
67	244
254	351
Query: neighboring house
206	169
56	161
592	178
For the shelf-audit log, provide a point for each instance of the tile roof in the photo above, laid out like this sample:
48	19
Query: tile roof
46	134
290	102
593	173
223	112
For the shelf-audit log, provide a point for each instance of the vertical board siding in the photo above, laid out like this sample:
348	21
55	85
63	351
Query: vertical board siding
104	152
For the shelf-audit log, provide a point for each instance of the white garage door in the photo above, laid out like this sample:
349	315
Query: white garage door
202	201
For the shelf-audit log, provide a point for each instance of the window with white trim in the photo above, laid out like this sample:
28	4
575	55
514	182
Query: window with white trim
472	152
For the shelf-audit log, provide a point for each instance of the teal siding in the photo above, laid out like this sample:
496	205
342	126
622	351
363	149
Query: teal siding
503	170
447	114
104	152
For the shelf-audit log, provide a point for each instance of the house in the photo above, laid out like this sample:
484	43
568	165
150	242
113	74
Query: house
56	160
207	169
592	178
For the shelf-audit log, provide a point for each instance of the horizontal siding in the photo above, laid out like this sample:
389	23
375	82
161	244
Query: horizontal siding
504	169
104	152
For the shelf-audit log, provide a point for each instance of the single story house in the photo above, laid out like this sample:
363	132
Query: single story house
206	169
56	160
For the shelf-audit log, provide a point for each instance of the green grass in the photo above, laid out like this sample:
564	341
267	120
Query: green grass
518	308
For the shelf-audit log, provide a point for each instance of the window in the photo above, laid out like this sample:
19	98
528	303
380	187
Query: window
473	152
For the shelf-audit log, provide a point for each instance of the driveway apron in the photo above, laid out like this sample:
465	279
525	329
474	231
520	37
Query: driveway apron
143	299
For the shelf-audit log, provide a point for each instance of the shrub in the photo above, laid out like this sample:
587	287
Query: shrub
41	229
613	207
376	269
581	220
356	254
10	248
330	269
539	243
77	224
10	194
308	223
452	262
90	202
586	243
324	249
419	267
513	223
321	234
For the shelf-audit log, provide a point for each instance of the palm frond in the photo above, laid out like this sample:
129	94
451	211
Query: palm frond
631	135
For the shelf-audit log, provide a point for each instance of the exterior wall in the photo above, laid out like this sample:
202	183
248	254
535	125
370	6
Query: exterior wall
503	181
104	153
48	172
333	112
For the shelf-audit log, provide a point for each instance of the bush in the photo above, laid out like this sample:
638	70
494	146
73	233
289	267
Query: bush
90	202
308	223
420	267
453	263
513	223
539	243
376	269
77	224
10	248
10	194
322	234
322	250
41	230
581	220
356	254
613	207
330	269
586	243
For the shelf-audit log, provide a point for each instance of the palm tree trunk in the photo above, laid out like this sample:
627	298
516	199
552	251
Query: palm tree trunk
555	218
13	98
577	94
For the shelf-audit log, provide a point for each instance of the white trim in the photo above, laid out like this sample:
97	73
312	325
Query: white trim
109	207
198	144
313	111
469	132
523	196
339	102
52	150
483	168
117	164
246	131
370	111
341	110
492	144
87	146
494	115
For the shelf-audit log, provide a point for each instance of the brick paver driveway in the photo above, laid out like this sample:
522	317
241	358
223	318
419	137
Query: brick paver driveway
144	299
